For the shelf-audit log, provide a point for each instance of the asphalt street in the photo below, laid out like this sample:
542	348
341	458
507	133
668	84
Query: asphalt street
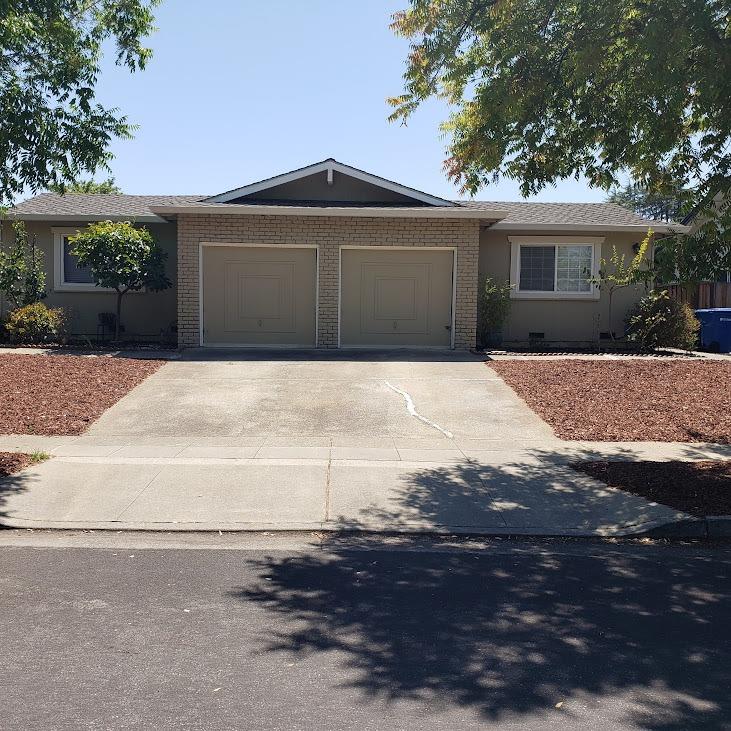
149	633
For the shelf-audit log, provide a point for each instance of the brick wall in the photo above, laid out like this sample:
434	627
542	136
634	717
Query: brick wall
328	233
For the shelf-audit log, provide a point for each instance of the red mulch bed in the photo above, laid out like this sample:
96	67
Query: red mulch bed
640	400
696	488
12	462
63	394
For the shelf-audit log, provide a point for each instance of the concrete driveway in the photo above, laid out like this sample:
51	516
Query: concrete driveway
377	441
348	397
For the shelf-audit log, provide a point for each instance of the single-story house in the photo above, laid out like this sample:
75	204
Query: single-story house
331	256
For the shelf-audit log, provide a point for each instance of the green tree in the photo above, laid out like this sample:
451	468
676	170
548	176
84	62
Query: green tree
702	256
616	273
121	257
87	186
543	90
650	205
22	277
51	128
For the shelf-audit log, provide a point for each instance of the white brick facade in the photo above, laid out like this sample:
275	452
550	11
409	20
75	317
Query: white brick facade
328	234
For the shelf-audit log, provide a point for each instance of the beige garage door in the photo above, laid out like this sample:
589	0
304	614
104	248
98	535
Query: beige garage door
259	295
394	298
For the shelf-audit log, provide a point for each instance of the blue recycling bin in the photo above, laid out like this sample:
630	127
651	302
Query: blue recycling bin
715	329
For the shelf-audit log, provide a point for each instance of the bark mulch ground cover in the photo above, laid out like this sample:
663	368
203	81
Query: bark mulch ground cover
696	488
623	401
63	394
12	462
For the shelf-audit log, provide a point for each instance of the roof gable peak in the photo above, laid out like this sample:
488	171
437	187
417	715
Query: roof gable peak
332	181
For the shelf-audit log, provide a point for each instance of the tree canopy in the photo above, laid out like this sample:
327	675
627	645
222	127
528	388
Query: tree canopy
51	128
121	257
88	186
549	89
670	207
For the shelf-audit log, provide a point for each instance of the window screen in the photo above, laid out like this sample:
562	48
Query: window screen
72	272
573	268
537	268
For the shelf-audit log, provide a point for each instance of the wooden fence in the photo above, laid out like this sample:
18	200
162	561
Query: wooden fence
709	294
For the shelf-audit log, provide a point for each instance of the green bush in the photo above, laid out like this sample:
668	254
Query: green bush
493	307
659	321
35	323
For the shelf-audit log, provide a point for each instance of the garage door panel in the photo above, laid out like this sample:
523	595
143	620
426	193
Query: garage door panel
396	298
259	295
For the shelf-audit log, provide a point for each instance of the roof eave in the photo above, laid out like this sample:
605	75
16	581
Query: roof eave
146	218
228	209
656	226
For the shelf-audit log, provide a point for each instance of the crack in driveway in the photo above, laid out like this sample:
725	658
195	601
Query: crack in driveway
411	408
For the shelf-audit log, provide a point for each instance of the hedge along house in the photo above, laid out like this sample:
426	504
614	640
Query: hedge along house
331	256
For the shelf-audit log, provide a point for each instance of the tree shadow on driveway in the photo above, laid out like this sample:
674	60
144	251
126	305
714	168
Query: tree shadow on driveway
531	491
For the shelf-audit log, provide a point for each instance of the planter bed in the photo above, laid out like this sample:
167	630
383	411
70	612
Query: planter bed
697	488
63	394
633	400
12	462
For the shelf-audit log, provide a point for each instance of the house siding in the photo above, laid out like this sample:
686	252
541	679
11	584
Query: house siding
146	316
562	321
328	234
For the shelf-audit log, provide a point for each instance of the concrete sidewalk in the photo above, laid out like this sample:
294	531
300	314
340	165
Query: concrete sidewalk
330	483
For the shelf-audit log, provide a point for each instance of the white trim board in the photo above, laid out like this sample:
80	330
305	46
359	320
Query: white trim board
238	209
453	249
244	245
329	166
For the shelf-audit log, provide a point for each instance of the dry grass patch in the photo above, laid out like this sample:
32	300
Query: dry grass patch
63	394
696	488
638	400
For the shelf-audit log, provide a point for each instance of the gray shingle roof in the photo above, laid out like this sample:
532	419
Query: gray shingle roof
84	206
563	213
95	204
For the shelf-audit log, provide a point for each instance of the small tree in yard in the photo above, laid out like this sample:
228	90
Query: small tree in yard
493	308
22	279
617	274
121	257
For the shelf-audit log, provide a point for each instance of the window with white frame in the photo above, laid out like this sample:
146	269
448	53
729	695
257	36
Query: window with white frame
548	268
68	275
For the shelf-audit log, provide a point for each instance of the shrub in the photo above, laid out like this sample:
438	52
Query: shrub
659	321
493	307
35	323
22	278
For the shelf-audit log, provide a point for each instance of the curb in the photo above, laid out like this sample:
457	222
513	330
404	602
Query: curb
712	526
703	528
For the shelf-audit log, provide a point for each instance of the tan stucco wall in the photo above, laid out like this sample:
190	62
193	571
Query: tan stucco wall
145	315
328	234
570	321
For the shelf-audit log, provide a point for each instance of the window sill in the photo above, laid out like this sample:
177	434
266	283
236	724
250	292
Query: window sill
581	296
91	288
81	288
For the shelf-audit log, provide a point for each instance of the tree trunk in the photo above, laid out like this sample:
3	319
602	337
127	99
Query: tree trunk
611	330
119	314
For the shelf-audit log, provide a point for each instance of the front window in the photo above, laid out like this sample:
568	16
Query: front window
68	276
546	268
559	268
72	272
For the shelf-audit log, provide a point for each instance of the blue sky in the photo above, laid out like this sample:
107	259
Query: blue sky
239	90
